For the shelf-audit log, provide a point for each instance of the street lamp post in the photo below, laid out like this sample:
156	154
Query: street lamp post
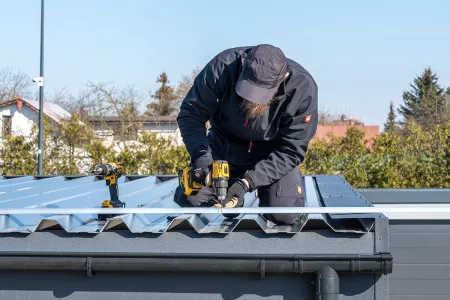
41	94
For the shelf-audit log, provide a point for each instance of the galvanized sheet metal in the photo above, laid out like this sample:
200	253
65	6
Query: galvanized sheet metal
158	191
334	191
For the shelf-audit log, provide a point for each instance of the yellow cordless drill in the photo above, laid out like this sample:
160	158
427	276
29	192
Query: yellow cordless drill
110	172
217	179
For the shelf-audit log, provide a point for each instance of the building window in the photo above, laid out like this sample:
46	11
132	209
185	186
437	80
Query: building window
6	126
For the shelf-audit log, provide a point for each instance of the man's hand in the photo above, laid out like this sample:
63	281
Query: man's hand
201	174
236	193
201	167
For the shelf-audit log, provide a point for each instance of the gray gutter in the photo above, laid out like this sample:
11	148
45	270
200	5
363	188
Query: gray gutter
90	262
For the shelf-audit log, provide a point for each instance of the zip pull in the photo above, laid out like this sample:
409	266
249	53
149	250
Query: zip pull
245	123
250	147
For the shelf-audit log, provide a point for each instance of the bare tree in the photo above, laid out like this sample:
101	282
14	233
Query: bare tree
83	104
185	84
326	116
117	108
13	85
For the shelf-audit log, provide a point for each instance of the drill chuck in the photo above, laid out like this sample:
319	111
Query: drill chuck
221	185
105	170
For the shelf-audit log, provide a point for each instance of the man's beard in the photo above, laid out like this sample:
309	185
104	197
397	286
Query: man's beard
253	110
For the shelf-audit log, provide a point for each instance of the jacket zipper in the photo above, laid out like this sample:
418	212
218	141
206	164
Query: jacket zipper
250	145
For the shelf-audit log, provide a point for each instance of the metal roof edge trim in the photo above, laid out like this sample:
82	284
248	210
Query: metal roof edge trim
406	195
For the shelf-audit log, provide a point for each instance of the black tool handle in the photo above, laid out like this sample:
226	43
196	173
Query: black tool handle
114	192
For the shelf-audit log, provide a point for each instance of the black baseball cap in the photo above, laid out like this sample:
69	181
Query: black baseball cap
263	72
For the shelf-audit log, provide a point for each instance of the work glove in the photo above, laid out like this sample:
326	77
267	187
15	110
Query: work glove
235	194
201	167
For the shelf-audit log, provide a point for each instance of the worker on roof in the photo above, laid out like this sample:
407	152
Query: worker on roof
262	108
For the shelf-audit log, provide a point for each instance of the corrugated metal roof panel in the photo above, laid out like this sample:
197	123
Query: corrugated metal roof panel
157	192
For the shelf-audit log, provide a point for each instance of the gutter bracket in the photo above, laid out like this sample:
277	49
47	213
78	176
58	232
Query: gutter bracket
298	266
262	270
353	266
89	267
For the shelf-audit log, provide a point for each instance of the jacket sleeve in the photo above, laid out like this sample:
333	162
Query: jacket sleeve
200	103
297	128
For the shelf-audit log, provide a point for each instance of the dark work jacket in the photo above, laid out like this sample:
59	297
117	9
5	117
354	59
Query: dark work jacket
267	147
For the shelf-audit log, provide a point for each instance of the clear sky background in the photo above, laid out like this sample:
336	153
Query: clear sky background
363	54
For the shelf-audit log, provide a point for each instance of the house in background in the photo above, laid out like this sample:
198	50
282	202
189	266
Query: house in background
18	116
112	128
340	127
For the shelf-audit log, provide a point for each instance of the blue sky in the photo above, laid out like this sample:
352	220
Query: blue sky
362	54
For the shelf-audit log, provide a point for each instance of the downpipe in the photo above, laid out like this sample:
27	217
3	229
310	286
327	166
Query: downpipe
327	284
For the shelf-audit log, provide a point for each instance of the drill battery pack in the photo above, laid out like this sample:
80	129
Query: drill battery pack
188	182
110	204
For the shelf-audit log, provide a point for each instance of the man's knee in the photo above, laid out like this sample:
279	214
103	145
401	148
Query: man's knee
286	192
283	219
286	219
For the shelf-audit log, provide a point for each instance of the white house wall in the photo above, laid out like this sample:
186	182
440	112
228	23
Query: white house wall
21	120
166	130
107	138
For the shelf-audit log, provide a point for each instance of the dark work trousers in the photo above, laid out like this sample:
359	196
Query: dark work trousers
286	192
